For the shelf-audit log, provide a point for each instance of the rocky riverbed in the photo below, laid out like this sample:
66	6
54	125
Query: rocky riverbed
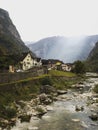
74	109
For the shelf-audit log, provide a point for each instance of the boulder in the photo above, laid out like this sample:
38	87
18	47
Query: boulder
94	116
46	117
83	124
60	92
41	110
45	99
76	120
79	108
32	128
49	108
42	97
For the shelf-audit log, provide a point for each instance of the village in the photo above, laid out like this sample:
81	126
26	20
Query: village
27	62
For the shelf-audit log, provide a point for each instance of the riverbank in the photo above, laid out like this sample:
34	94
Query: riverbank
11	94
75	110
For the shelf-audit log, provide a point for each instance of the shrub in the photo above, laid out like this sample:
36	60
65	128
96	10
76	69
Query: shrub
79	67
10	112
25	118
46	81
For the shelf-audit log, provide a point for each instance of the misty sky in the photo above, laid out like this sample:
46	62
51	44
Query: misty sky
36	19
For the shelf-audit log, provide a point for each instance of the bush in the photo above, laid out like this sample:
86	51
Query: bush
46	81
25	118
79	67
10	112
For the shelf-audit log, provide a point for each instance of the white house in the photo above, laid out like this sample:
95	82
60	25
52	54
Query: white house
28	61
66	67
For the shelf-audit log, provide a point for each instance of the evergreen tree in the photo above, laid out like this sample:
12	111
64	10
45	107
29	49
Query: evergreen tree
79	67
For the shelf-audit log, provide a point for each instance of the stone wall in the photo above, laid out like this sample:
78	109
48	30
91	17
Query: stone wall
12	77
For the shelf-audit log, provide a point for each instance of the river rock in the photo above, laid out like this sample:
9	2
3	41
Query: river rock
49	108
5	121
94	124
94	116
79	108
83	124
45	99
41	110
77	86
80	86
95	95
45	117
76	120
34	118
60	92
42	97
32	128
36	101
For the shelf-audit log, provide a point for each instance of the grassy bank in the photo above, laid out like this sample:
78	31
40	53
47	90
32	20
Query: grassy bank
61	73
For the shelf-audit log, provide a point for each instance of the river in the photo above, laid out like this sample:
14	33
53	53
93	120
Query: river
63	115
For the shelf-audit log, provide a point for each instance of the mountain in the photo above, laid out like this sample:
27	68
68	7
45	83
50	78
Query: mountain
92	59
10	40
11	45
67	49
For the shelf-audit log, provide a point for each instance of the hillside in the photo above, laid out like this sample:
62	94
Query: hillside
93	58
10	40
67	49
11	45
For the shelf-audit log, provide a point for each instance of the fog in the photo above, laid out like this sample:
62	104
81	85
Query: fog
67	49
70	49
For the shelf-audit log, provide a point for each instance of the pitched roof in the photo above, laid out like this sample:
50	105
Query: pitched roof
24	55
38	59
50	61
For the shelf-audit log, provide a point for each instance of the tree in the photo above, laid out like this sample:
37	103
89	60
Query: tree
79	67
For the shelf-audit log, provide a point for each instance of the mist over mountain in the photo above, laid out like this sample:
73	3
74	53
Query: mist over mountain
67	49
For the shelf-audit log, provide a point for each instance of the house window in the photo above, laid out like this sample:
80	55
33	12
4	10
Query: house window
28	63
24	64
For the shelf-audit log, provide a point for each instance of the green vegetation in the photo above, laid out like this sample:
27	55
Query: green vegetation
29	88
10	112
40	110
25	118
46	80
61	73
92	65
6	60
79	67
92	61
